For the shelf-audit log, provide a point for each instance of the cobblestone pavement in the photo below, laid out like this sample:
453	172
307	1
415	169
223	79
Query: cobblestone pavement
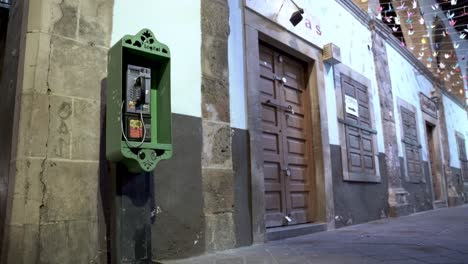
439	236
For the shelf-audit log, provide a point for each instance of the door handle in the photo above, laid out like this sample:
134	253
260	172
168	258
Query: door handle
281	79
286	108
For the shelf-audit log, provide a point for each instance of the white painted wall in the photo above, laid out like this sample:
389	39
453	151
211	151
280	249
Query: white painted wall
237	91
341	28
176	24
457	121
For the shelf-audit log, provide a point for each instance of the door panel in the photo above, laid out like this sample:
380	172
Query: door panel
286	139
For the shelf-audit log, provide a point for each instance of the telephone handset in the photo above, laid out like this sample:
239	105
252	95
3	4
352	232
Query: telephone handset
140	82
136	125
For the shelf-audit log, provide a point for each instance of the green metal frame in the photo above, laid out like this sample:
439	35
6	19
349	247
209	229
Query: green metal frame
143	50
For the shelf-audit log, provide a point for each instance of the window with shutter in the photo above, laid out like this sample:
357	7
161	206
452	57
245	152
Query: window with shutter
358	127
462	156
411	146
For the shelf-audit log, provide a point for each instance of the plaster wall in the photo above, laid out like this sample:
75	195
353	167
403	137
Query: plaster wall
407	83
354	39
457	121
237	95
177	24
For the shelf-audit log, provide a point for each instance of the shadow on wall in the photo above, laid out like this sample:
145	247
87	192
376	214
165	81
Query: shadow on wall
106	181
166	204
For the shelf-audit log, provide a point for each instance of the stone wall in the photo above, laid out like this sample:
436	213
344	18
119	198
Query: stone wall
217	166
56	206
397	194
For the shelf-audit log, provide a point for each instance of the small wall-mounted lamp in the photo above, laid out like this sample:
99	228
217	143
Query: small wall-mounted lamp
296	17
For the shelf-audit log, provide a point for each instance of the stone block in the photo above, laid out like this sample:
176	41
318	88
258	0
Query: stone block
96	22
218	190
76	69
69	242
216	145
30	252
83	239
86	125
17	210
215	58
53	240
220	233
33	125
70	191
27	179
60	129
215	18
54	16
36	63
215	100
14	235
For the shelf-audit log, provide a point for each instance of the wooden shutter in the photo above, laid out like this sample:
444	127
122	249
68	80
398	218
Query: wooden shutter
358	129
411	144
462	157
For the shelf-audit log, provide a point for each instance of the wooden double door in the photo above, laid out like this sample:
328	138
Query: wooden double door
286	139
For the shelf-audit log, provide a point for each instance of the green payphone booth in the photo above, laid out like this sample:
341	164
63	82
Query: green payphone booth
138	136
138	120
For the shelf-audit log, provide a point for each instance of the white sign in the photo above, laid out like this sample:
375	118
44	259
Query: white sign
280	11
351	105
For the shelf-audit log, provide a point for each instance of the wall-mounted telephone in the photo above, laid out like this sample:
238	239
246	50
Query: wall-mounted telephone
138	122
137	111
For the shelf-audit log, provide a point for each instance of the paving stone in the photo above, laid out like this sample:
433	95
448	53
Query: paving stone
388	246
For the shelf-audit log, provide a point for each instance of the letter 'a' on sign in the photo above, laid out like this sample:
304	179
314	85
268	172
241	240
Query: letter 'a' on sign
138	111
351	106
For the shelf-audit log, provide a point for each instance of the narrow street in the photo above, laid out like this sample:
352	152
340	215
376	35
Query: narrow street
439	236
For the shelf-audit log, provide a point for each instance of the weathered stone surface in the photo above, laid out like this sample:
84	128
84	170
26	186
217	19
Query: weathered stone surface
76	69
53	16
53	243
70	191
219	232
215	57
215	99
33	125
27	179
60	129
36	63
14	235
83	239
397	196
30	246
86	129
218	188
69	242
95	18
216	145
213	15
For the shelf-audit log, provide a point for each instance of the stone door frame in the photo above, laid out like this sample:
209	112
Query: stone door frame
258	28
438	158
